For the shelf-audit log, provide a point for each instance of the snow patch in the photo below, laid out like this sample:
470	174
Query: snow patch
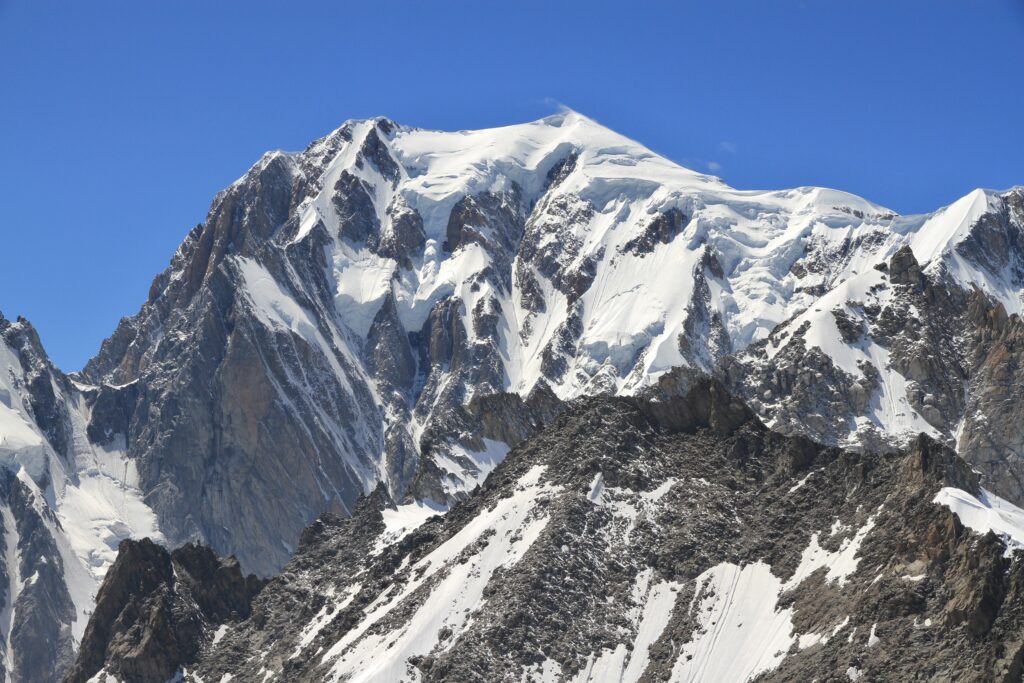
841	563
740	631
510	528
986	513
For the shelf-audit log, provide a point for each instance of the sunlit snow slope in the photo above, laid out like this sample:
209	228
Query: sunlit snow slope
65	504
341	309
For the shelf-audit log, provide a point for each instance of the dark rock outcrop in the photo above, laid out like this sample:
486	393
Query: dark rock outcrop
157	609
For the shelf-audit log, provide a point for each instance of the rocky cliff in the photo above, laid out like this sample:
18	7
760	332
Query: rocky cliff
637	540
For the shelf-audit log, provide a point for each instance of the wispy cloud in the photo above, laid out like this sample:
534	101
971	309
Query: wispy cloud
555	104
714	166
728	147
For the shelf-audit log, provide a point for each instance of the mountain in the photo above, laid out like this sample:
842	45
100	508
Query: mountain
345	313
921	334
391	310
676	539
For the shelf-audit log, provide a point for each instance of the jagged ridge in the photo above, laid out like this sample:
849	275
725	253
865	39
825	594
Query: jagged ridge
670	540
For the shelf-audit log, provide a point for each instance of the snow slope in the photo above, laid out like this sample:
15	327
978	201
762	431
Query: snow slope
595	295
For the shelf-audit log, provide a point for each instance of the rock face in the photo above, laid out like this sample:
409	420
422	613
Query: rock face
156	610
650	540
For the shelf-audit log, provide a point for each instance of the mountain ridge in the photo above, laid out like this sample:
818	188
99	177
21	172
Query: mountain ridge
607	547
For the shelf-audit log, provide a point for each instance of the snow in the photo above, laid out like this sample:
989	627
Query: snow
446	166
104	505
607	666
549	671
985	513
740	631
98	504
658	602
627	506
807	640
274	307
402	520
949	226
363	280
219	634
364	655
104	677
655	602
21	442
325	616
596	493
840	563
463	479
797	486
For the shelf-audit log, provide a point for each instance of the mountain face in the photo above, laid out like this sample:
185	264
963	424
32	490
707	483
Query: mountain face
391	310
676	539
340	316
923	340
65	504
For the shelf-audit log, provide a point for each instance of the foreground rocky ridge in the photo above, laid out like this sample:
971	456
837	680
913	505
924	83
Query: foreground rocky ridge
157	608
637	540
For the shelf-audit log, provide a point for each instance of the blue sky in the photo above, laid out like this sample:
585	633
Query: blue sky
120	121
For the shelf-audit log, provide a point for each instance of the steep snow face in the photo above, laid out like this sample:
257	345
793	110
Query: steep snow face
21	443
65	505
581	260
609	245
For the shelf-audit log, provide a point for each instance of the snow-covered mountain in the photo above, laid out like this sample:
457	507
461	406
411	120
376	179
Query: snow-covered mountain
399	307
329	324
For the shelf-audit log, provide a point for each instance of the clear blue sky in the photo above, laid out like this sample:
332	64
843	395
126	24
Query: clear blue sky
120	120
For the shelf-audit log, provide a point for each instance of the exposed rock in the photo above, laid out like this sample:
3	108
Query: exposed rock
157	609
904	269
662	228
637	538
357	218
